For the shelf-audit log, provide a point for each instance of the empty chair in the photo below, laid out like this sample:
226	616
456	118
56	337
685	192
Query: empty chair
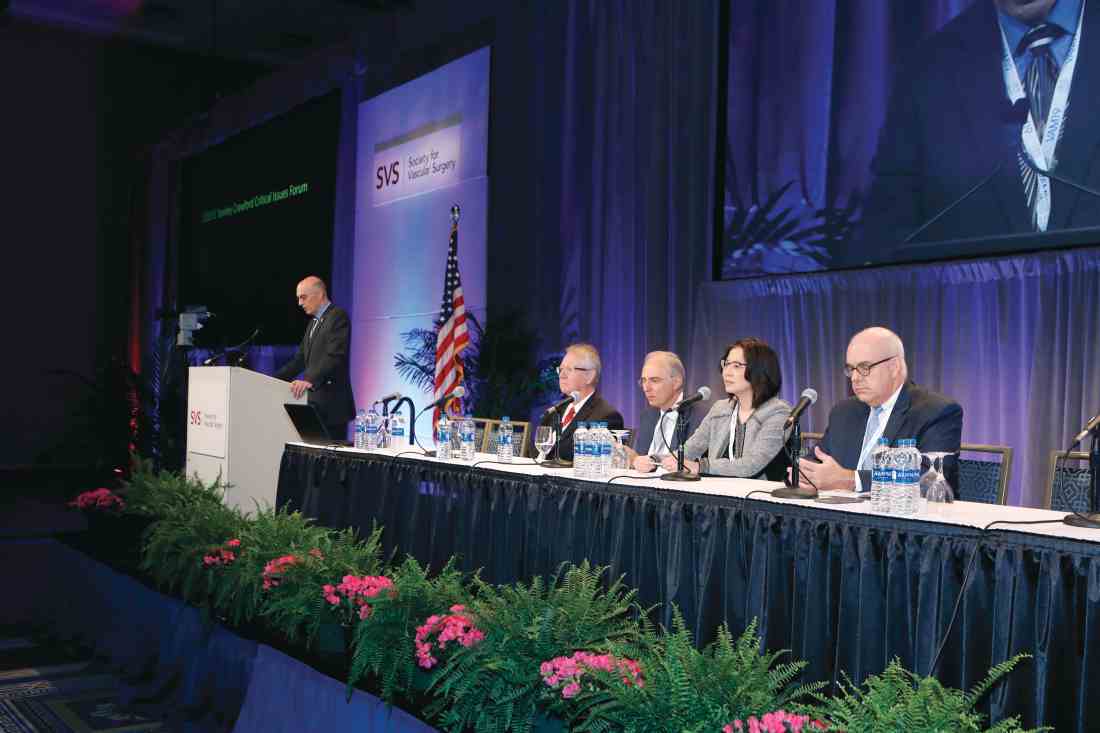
982	479
1068	484
487	429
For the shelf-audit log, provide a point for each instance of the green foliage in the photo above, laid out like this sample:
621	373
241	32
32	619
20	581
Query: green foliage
495	685
383	645
897	700
296	605
176	542
162	494
691	690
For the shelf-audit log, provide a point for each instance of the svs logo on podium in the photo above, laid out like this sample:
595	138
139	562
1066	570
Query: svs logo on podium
196	417
388	175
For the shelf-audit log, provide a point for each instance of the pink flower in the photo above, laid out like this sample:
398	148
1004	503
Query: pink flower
571	669
274	570
233	543
317	554
98	499
456	626
779	721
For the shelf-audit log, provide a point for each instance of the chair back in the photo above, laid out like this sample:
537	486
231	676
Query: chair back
980	478
1068	484
487	429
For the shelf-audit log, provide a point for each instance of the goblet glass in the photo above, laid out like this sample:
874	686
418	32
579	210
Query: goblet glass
545	437
936	492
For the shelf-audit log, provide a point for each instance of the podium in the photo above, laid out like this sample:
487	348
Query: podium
236	430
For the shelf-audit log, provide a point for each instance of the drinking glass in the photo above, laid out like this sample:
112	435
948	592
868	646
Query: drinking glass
545	437
936	492
620	458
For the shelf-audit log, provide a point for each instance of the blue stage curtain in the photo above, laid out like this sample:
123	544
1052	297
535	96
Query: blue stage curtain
1013	339
843	592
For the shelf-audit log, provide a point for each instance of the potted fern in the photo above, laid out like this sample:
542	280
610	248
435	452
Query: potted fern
497	684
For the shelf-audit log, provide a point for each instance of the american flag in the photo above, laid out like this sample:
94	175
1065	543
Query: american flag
451	335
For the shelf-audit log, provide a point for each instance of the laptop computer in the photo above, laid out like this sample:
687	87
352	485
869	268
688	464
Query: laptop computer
310	427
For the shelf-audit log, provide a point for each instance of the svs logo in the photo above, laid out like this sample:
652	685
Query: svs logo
388	176
196	417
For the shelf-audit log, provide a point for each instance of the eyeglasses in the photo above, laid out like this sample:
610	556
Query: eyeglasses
655	381
864	368
722	364
569	370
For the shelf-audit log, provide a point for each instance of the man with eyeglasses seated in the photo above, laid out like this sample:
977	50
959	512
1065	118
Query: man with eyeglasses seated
662	382
886	404
580	372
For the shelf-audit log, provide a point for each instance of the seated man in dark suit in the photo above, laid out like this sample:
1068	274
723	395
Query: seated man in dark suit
580	372
662	382
886	404
322	358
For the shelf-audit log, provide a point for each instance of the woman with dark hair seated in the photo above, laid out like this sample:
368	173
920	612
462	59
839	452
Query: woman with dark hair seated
743	435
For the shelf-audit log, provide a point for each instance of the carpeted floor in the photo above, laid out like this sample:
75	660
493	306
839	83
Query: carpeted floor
53	687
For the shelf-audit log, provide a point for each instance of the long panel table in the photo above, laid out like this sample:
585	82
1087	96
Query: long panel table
841	587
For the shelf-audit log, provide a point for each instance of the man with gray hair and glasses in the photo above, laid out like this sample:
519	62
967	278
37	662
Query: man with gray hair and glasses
886	404
579	372
662	383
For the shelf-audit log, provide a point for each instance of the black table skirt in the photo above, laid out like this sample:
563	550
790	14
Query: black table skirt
844	592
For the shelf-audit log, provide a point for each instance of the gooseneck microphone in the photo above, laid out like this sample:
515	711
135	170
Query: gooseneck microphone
1014	117
211	359
702	394
456	392
809	397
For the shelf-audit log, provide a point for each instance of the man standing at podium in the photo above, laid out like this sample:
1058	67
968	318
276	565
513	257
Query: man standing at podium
320	365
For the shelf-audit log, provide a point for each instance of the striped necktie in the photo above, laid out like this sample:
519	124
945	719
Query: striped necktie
1042	70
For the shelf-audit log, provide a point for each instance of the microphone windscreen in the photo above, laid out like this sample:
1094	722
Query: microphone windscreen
576	396
810	394
459	391
705	392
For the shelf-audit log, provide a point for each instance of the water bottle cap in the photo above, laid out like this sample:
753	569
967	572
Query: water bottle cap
505	419
907	442
884	441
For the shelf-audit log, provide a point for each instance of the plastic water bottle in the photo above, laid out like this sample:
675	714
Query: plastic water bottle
467	436
580	451
373	430
880	476
907	477
360	429
605	451
397	430
505	436
443	442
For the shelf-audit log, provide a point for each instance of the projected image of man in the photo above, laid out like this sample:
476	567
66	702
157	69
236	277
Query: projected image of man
1004	77
320	367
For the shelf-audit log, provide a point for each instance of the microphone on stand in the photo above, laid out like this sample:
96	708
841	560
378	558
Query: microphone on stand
683	413
702	394
1091	518
793	447
555	460
809	397
573	397
458	391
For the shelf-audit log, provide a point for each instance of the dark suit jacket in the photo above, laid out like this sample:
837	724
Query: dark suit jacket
596	409
947	126
644	433
933	419
323	361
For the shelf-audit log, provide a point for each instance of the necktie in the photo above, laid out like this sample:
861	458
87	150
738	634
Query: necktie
569	415
869	436
313	330
1042	71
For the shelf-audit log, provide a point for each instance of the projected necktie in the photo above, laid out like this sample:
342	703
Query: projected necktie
1042	71
569	415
